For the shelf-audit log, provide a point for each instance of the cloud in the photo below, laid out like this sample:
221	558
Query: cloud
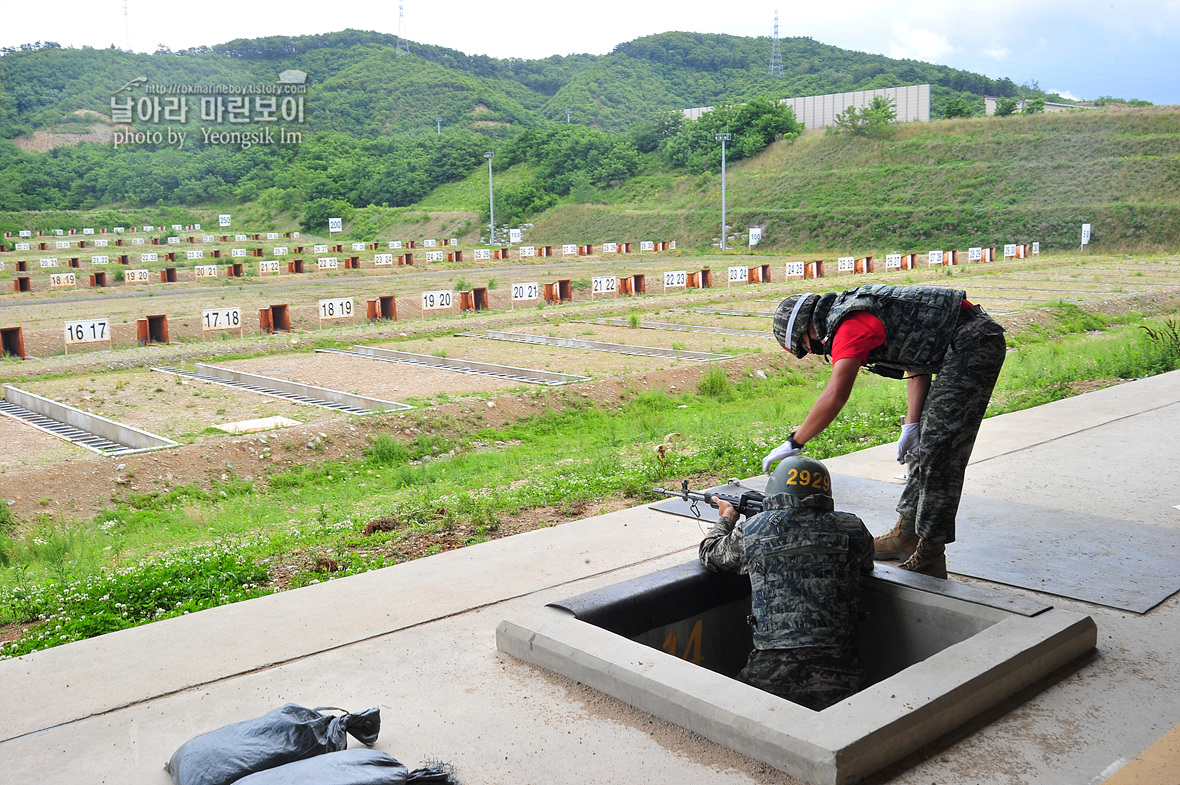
997	53
1066	94
919	44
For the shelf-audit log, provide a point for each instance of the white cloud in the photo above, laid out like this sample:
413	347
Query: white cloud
1066	94
998	53
919	44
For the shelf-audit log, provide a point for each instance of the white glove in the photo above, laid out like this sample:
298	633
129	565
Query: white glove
784	450
907	445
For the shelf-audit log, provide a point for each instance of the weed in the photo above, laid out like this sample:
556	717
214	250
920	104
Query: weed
715	384
387	451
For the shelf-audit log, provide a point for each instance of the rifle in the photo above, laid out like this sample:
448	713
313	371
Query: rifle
749	503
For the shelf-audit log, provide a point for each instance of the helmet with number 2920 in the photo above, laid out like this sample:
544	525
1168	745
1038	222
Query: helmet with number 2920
800	476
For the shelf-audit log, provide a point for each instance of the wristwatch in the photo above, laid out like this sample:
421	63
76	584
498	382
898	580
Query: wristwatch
791	441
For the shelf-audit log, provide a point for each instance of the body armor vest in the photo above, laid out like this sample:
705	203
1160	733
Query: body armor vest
919	323
804	577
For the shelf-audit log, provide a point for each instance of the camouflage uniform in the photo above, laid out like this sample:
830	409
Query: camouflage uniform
804	563
927	332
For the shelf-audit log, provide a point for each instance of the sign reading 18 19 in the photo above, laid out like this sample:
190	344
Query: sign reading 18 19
339	308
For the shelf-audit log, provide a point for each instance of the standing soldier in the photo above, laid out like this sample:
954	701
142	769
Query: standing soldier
804	561
911	333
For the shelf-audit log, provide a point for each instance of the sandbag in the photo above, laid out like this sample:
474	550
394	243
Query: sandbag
350	767
287	734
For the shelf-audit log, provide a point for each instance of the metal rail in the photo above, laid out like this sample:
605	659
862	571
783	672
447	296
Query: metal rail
274	392
684	328
599	346
527	375
71	434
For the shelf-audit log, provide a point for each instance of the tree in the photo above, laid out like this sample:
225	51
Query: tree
874	121
1034	106
958	107
1005	107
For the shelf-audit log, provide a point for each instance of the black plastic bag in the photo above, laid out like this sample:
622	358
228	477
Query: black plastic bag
291	733
350	767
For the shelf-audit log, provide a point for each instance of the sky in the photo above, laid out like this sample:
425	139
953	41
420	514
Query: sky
1081	49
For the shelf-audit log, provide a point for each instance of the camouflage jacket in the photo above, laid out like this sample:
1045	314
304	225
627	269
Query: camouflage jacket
804	563
919	323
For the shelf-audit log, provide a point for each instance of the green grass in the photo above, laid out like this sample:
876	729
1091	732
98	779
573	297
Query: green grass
213	546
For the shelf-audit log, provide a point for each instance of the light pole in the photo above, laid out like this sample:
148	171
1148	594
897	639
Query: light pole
491	202
438	122
723	138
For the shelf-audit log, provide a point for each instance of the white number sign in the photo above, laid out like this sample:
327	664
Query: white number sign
88	331
739	274
1036	248
514	236
194	254
429	243
795	269
173	241
319	249
205	271
88	230
62	244
675	278
1085	234
604	284
240	238
395	245
358	246
137	241
975	254
237	253
51	262
433	301
26	233
22	246
223	222
1009	250
755	235
569	250
177	227
525	291
335	225
435	256
61	279
222	319
337	308
102	243
268	266
893	261
610	247
279	250
272	235
647	245
845	264
483	254
119	229
383	259
934	258
136	276
143	257
327	263
525	251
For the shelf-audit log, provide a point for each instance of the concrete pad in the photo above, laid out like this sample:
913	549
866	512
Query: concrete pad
418	640
1159	764
258	425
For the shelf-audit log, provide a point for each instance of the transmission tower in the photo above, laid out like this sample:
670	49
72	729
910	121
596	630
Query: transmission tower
126	25
776	54
403	46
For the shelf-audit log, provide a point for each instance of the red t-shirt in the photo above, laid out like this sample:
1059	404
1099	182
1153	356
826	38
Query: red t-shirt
860	333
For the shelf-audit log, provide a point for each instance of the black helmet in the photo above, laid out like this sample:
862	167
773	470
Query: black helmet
791	321
800	476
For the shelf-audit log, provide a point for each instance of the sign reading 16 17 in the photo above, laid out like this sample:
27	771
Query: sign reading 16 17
88	331
222	319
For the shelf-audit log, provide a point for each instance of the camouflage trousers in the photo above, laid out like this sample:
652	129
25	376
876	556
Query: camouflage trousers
812	676
954	409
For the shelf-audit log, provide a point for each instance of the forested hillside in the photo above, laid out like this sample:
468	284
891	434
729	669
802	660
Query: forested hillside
384	131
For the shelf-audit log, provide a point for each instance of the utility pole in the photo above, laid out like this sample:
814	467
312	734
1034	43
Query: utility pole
491	202
723	138
568	112
438	122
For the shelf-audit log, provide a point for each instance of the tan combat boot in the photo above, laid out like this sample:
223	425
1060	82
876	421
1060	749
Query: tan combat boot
898	544
929	559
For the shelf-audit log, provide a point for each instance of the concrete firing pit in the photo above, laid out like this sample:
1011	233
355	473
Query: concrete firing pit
936	654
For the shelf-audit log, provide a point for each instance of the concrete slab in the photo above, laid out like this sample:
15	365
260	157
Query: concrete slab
418	640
